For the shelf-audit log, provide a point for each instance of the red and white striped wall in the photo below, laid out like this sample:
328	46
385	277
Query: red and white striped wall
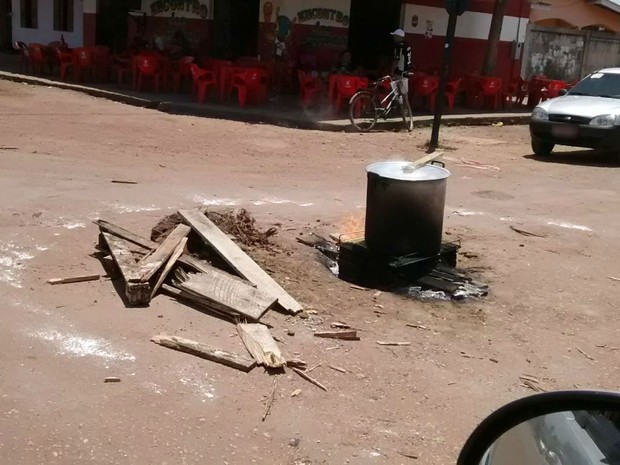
425	23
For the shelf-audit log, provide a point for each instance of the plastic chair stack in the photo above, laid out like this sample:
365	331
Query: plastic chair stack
427	87
490	91
182	72
309	88
251	85
347	87
148	68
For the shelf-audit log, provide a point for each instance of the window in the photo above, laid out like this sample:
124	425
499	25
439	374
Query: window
63	15
29	13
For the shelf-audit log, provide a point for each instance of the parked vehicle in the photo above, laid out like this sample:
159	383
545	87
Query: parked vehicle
554	428
586	116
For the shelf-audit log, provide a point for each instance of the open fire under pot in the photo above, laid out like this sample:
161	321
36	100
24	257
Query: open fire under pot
402	247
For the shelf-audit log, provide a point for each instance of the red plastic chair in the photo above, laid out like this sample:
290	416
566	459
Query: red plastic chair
453	87
510	92
102	62
427	87
121	66
490	91
223	70
148	68
65	62
309	87
83	63
182	71
38	57
346	87
251	85
552	89
23	50
202	81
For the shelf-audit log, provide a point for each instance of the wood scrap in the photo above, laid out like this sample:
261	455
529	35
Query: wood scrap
120	181
527	233
152	262
296	363
314	367
613	278
531	382
199	349
137	293
169	265
224	294
416	326
339	325
181	294
271	399
261	345
390	343
309	378
584	354
74	279
409	455
358	288
341	370
347	335
296	392
112	379
238	259
419	163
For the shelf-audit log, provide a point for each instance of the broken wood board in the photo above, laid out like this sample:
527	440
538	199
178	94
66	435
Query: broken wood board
201	350
137	293
186	259
225	294
261	345
238	259
348	335
151	263
309	378
169	265
394	344
74	279
181	294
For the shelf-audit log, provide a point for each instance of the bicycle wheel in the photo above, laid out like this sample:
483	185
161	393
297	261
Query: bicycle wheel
363	111
405	109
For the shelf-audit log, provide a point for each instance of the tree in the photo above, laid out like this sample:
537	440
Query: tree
490	57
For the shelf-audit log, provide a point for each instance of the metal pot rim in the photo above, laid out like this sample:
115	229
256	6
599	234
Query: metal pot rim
397	170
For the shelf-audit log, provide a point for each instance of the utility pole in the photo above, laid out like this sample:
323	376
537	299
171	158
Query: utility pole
455	8
490	57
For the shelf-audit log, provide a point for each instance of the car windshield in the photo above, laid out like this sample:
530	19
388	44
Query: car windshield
599	85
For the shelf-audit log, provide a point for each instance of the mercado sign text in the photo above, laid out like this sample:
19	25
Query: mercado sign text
326	14
189	6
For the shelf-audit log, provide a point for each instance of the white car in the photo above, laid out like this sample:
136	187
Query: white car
587	116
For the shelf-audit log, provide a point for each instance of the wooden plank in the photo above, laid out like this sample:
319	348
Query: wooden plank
169	265
74	279
181	294
422	161
309	378
348	335
204	267
207	352
261	345
225	294
117	231
151	264
137	293
123	257
238	259
147	244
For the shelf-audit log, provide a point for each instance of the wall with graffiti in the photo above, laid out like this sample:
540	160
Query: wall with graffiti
289	28
164	17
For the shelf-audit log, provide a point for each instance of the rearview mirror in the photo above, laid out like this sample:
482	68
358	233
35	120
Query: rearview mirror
557	428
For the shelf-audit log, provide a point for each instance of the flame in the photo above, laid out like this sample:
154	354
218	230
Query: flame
351	227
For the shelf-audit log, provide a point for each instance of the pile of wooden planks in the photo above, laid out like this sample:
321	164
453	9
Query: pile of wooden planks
147	268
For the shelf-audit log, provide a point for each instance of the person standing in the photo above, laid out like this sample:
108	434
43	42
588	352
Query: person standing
401	62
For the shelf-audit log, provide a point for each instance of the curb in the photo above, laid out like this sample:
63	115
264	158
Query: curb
253	118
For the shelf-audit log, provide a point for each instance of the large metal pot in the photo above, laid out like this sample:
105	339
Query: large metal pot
405	208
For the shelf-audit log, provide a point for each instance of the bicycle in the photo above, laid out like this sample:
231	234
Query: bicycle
366	106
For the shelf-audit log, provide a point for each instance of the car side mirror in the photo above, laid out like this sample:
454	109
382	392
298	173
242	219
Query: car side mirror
554	428
563	92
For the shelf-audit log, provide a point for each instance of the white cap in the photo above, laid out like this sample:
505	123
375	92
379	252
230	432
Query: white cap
398	32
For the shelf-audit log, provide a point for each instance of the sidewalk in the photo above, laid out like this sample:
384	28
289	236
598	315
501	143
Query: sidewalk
283	111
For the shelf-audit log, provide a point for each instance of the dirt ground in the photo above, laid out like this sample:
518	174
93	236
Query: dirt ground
551	314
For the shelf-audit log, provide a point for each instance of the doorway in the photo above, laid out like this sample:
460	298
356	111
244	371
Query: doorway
6	26
112	23
370	42
235	29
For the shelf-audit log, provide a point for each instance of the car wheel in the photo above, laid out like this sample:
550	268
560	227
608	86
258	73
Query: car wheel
541	148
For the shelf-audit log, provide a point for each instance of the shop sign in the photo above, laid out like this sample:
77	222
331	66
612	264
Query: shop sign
189	6
325	14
